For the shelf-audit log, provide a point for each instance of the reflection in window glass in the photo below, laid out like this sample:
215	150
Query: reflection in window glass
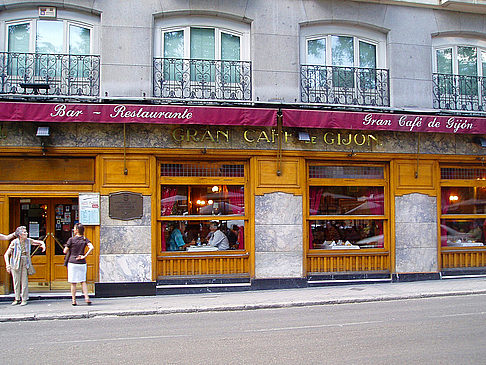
316	52
346	234
367	55
342	51
347	200
202	200
195	236
462	232
463	200
467	61
18	38
79	40
49	38
444	61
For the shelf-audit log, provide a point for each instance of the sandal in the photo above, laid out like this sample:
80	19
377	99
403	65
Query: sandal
88	302
74	303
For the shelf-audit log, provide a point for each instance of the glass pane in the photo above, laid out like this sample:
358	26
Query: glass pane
346	172
173	48
34	218
202	43
342	51
462	232
213	169
346	200
230	51
453	173
195	236
202	200
230	47
79	40
174	44
316	52
367	55
49	36
18	38
463	200
444	61
467	61
483	63
350	234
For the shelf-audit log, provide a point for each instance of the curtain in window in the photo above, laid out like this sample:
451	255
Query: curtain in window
202	49
167	200
230	51
18	45
236	198
315	201
173	55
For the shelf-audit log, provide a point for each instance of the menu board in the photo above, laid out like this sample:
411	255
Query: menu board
89	209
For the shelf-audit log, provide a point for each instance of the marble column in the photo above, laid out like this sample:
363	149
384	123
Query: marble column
278	236
125	246
416	246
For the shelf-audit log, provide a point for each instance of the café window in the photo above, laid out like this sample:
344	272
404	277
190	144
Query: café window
194	196
347	206
463	207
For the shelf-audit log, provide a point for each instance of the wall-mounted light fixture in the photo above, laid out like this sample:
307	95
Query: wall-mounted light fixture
304	136
42	132
480	141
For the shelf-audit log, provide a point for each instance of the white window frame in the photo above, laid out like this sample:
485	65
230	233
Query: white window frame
33	33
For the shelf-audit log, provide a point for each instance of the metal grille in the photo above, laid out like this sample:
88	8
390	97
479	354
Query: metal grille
346	172
459	92
450	173
56	74
202	170
344	85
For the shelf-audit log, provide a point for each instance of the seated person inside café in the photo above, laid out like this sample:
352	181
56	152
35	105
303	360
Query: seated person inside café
217	238
476	232
233	237
176	240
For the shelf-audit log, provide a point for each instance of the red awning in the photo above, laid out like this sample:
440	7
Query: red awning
383	121
128	113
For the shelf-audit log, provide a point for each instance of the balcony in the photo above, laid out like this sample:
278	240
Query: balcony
344	85
49	74
459	92
196	79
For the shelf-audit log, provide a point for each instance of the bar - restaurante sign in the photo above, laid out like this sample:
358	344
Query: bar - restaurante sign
232	116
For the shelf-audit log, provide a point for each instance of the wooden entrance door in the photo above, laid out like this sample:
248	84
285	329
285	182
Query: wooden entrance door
51	220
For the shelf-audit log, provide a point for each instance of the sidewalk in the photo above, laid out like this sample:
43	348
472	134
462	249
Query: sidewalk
49	309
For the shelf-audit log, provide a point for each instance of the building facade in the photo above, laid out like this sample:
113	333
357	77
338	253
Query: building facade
329	140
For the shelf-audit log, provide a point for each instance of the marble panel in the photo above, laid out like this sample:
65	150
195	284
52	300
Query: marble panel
279	209
278	265
144	221
125	268
395	141
125	239
408	260
278	238
415	208
103	135
438	143
466	146
416	235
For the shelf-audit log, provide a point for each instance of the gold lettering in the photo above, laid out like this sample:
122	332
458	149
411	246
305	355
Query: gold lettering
326	141
224	134
274	135
287	135
346	143
313	140
191	134
247	138
207	136
263	136
363	139
372	137
177	134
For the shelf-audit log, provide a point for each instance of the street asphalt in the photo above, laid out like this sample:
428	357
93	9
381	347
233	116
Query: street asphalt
57	306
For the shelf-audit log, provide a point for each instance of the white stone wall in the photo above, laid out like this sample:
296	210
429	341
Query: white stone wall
416	247
125	246
278	236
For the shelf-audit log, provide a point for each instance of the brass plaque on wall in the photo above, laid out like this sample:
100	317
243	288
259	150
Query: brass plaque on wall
125	205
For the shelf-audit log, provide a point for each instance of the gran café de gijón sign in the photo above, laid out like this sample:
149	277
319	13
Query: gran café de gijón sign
308	193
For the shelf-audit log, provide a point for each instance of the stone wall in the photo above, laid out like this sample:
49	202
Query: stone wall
125	246
416	234
278	236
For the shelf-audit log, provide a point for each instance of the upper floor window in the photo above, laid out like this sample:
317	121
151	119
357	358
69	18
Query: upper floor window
49	36
343	68
50	56
459	69
203	61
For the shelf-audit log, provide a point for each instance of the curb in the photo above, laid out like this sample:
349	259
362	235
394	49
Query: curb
228	308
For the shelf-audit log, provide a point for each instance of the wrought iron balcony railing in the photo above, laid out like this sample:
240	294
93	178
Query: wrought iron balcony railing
459	92
344	85
177	78
55	74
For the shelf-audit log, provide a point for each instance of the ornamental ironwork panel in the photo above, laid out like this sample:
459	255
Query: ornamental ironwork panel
344	85
49	74
176	78
459	92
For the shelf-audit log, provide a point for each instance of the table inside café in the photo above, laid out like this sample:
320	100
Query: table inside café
202	248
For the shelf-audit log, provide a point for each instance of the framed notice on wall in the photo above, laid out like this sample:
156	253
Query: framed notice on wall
89	209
